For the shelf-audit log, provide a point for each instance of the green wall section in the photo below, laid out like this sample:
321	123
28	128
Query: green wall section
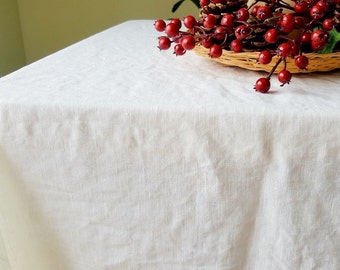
32	29
12	54
46	26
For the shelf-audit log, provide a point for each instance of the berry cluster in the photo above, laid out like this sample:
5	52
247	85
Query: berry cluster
271	27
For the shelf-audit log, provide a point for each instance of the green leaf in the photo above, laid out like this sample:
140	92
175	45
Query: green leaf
196	2
334	37
176	6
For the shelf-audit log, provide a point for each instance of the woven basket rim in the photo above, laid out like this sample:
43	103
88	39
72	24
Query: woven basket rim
309	53
248	60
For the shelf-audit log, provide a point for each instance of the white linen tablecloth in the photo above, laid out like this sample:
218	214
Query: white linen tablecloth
115	155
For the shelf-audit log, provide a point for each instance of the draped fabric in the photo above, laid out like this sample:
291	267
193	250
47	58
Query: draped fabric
115	155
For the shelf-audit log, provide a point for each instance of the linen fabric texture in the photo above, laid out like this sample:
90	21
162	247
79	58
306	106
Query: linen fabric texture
115	155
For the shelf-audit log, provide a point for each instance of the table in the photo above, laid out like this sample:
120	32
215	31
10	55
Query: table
115	155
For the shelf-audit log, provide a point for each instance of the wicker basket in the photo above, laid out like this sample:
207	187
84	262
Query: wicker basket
248	60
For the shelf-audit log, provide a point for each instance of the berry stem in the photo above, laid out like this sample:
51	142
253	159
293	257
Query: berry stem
275	67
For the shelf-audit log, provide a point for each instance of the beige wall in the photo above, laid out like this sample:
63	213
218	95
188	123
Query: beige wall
11	46
32	29
48	25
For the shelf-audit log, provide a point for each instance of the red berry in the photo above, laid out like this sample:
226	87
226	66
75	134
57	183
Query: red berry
179	50
299	22
287	18
227	20
324	4
301	7
284	76
262	85
204	3
160	25
271	36
215	51
295	50
220	32
328	24
284	49
164	43
316	12
287	23
242	14
242	31
236	45
177	22
305	37
319	39
189	21
301	61
172	30
188	42
265	57
209	21
263	13
254	10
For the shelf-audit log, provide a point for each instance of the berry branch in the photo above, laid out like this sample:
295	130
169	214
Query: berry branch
269	27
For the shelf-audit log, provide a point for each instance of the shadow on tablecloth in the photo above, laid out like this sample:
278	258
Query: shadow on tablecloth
27	241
